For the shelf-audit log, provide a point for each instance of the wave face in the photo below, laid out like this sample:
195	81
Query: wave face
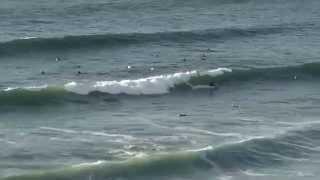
155	85
145	86
240	156
36	45
163	84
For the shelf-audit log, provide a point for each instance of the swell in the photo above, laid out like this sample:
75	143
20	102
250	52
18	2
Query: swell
253	153
107	91
67	43
305	71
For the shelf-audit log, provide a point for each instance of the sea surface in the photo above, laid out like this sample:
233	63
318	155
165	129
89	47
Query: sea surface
159	90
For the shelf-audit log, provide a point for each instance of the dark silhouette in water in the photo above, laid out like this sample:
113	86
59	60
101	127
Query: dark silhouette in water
80	72
203	57
42	72
212	84
182	115
214	87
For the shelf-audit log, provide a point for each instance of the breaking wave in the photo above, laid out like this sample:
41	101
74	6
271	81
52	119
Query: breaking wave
78	92
292	146
154	85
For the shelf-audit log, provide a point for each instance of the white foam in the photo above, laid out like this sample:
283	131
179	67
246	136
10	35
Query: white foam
251	173
196	130
89	164
8	142
36	88
69	131
10	89
304	123
124	136
29	88
207	148
145	86
29	37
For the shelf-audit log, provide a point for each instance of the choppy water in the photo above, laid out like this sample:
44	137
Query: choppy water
145	89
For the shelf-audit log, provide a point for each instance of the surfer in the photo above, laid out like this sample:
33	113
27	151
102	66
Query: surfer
212	84
203	57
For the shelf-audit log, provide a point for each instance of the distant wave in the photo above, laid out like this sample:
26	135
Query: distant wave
297	145
155	85
37	45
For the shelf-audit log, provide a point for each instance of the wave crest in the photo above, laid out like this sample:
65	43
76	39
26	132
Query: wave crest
154	85
146	86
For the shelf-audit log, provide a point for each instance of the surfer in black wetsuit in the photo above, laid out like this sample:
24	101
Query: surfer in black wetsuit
203	57
80	72
182	115
212	84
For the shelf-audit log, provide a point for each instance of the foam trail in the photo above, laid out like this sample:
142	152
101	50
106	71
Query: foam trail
30	88
209	132
145	86
69	131
242	156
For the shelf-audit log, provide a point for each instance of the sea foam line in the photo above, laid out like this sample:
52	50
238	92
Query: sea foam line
160	84
154	85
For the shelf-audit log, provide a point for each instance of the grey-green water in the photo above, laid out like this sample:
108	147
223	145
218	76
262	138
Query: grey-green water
145	89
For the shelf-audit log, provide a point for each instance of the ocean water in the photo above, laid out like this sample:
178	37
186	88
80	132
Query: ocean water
163	90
